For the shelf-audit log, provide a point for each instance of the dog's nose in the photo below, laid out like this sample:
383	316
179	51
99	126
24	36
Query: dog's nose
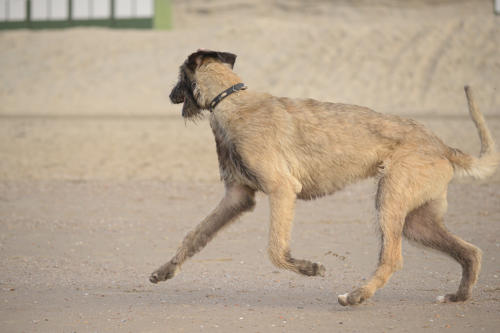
176	98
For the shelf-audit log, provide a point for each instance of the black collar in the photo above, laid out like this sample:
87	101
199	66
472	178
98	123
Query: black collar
224	94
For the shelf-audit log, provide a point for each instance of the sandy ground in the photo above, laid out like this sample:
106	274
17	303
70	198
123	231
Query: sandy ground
76	257
100	179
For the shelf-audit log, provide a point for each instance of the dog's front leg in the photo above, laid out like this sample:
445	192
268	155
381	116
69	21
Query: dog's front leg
237	200
282	202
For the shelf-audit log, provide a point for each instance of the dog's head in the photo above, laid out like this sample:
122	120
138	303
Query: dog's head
186	90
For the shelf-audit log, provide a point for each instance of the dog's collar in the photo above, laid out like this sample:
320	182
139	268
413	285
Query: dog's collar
225	93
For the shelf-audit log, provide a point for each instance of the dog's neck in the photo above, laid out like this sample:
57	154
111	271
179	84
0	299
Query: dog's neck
211	80
231	90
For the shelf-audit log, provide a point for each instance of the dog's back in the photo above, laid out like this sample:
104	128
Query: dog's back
325	146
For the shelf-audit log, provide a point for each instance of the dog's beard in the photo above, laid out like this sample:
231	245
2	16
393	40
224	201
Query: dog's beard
190	109
182	94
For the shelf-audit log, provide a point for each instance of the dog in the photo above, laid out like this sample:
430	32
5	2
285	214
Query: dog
304	149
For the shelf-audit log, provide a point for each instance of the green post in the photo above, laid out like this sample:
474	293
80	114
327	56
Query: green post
112	13
70	12
163	15
28	13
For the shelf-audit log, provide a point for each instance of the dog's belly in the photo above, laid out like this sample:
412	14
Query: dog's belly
312	189
320	179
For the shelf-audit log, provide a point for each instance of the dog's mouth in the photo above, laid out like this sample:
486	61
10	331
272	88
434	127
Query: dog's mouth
179	101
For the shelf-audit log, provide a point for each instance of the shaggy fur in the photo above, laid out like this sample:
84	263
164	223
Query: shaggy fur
303	149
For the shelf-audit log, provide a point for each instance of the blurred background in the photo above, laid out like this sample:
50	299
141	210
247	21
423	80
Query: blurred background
84	84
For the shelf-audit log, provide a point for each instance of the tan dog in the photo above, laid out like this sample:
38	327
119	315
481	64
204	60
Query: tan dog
294	148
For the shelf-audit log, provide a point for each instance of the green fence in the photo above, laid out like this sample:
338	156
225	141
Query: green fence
57	14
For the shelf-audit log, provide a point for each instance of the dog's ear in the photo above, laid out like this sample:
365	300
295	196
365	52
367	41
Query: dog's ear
196	59
227	58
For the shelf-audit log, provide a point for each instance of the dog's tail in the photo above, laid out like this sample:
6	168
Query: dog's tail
488	160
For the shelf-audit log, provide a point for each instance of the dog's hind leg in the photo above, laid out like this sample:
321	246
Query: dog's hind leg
409	181
425	226
411	198
391	217
282	202
238	199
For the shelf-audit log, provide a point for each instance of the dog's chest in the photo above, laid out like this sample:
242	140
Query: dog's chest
232	165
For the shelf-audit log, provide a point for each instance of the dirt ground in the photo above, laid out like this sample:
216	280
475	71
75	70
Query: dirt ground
100	178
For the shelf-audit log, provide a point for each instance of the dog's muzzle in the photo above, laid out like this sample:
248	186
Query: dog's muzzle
177	95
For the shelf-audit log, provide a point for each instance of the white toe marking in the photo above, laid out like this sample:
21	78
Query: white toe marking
440	299
343	297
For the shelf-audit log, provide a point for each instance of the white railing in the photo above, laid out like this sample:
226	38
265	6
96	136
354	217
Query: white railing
63	10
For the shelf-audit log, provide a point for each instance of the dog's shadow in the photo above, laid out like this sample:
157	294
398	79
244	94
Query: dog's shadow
232	295
276	297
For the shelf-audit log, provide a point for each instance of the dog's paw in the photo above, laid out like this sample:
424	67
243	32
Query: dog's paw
155	277
311	268
343	299
353	298
163	273
452	298
320	270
